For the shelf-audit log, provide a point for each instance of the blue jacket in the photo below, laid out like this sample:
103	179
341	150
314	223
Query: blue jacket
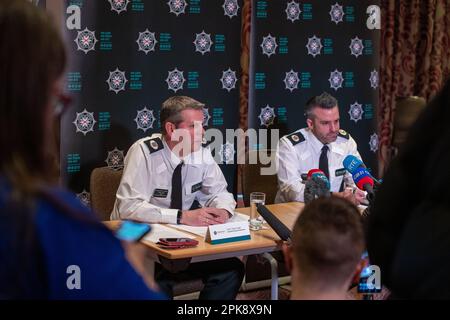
60	241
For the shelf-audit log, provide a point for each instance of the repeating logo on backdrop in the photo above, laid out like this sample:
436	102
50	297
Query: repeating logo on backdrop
336	13
84	122
314	46
293	11
116	81
144	119
267	116
85	198
291	80
230	8
86	40
356	111
356	47
119	5
115	159
177	6
226	153
175	80
374	142
269	45
374	79
228	79
202	42
336	79
146	41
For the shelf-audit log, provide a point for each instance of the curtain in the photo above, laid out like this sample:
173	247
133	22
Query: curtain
415	57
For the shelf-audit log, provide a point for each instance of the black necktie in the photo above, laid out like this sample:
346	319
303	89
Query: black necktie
323	161
176	201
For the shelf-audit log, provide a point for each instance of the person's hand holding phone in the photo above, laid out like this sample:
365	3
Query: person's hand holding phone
136	254
130	233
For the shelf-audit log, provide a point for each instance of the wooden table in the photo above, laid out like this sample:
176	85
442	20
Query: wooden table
261	242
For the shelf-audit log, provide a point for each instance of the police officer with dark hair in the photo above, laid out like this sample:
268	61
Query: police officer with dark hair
322	145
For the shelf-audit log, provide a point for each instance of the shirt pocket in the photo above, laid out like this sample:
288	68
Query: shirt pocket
161	196
161	192
193	188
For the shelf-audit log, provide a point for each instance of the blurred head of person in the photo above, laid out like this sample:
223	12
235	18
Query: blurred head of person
322	117
32	61
409	226
326	248
182	124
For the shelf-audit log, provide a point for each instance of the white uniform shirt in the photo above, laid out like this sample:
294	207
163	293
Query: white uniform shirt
299	152
145	190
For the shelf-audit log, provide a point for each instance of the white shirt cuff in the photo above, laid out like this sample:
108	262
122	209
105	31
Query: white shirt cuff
169	216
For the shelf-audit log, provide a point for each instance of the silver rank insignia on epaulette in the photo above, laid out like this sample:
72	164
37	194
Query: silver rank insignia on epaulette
343	134
295	138
154	144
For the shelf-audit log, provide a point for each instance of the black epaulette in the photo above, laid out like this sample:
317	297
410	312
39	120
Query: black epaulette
343	134
206	143
154	144
295	138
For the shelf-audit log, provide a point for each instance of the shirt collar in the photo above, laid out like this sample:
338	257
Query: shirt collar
315	143
191	159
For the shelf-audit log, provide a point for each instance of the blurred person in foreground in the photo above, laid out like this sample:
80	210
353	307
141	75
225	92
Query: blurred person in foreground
409	225
326	248
46	234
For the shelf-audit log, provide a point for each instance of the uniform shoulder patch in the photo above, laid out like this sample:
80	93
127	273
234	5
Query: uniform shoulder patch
154	144
343	134
206	143
295	138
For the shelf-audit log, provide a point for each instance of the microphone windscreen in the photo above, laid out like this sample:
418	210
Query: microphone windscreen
362	177
352	163
321	176
316	187
280	229
312	171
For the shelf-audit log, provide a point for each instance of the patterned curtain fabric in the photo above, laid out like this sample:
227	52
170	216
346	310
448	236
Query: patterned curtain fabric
415	57
244	87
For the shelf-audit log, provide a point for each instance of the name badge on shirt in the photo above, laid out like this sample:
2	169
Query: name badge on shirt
196	187
160	193
340	172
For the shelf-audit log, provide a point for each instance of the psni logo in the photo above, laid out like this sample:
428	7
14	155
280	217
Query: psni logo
370	280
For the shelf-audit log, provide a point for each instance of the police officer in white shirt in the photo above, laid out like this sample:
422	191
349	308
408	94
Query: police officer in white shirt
322	145
146	192
164	175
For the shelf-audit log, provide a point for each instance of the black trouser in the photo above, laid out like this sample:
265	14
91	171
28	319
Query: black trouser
221	278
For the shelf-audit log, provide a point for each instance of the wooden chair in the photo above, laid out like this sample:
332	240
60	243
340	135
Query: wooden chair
254	180
104	183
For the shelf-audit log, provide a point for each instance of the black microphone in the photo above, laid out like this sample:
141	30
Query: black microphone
280	229
315	187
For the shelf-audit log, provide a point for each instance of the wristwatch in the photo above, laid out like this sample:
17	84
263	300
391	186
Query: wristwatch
180	213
